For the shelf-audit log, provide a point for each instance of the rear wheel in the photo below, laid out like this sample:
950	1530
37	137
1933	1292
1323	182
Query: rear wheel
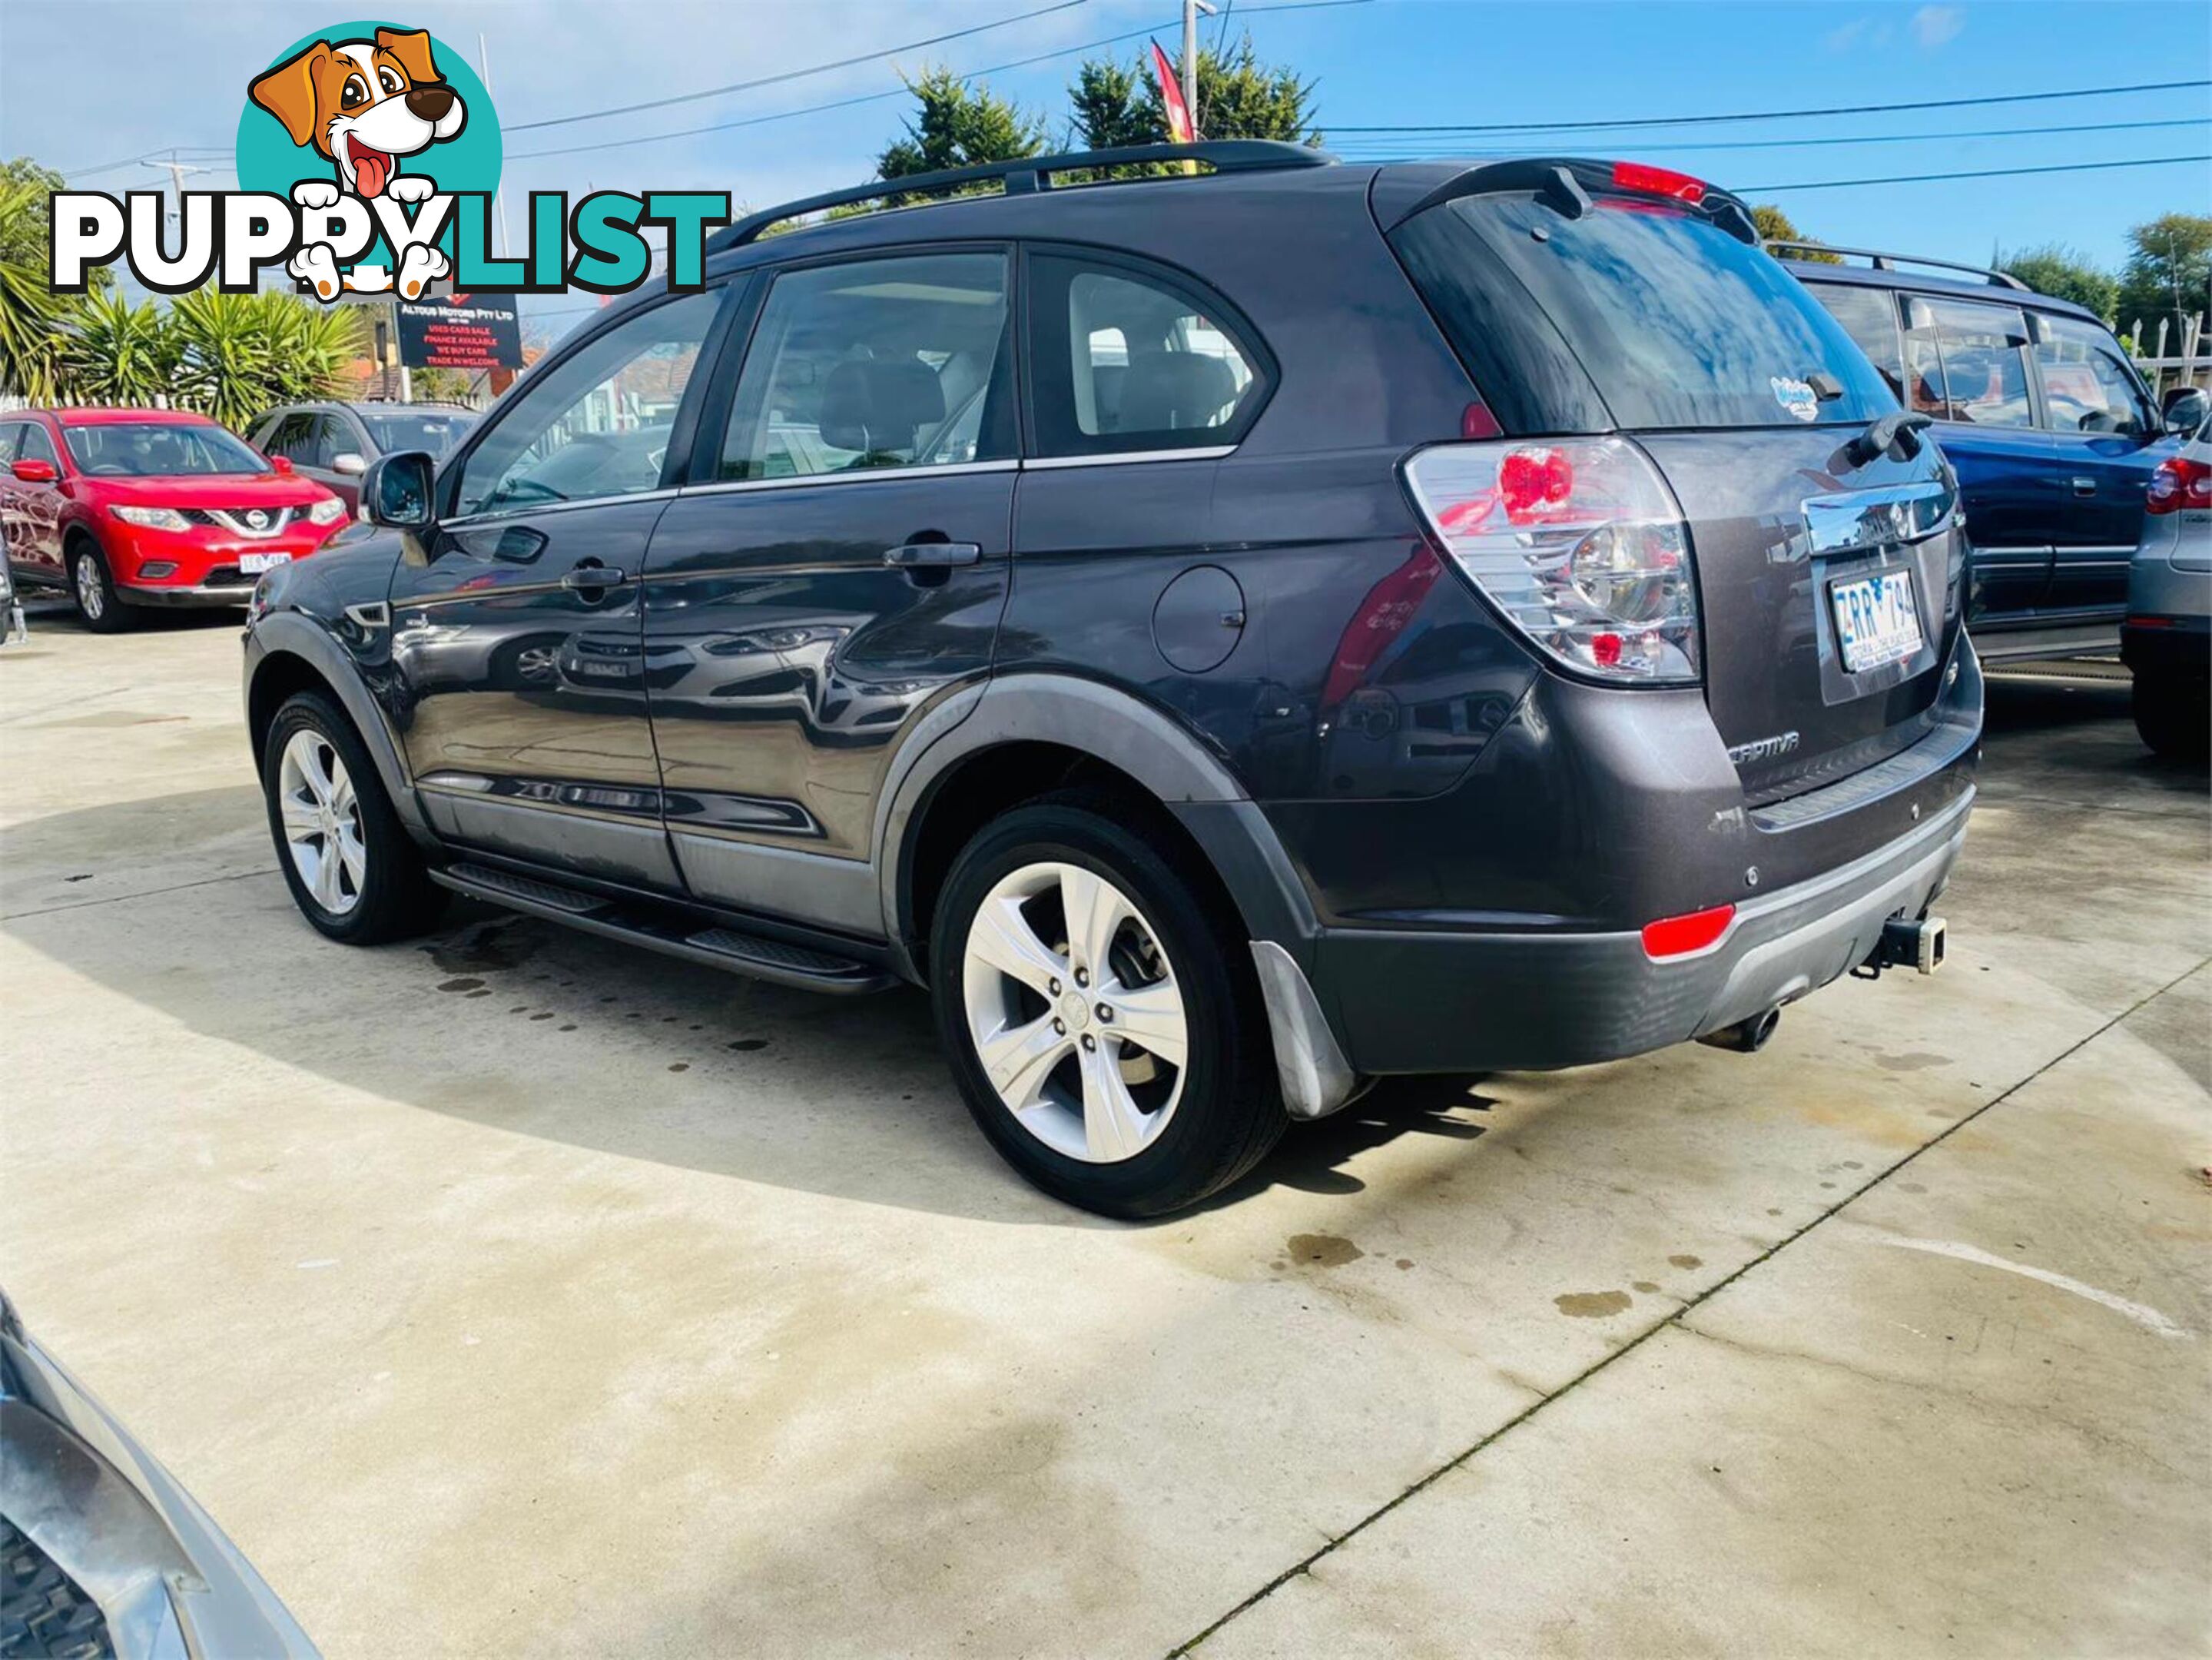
92	586
2173	714
1104	1035
352	871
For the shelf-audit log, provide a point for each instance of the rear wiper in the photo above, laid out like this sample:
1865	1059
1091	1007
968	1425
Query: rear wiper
1896	435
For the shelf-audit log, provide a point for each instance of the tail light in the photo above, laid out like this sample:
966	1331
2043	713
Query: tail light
1578	543
2180	483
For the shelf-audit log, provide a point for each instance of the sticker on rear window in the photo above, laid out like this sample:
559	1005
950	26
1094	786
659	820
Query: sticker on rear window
1795	396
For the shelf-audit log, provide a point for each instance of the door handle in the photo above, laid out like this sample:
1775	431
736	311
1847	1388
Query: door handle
2085	487
589	577
931	556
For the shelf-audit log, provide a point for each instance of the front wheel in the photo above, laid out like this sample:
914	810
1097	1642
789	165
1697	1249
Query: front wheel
92	586
1101	1019
352	871
2173	715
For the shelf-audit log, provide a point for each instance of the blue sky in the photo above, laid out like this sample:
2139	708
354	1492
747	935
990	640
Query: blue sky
163	82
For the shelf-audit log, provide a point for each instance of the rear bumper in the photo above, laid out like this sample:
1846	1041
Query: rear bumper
2174	645
1523	1001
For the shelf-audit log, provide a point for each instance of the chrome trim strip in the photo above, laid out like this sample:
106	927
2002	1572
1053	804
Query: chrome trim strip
861	476
1891	516
469	521
1126	458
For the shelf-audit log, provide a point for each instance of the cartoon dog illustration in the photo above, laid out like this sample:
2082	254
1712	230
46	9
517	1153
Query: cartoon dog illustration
364	104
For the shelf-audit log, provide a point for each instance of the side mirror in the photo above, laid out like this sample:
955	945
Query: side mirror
282	463
2184	409
31	471
350	463
395	490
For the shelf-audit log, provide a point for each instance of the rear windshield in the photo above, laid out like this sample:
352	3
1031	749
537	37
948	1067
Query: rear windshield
1668	320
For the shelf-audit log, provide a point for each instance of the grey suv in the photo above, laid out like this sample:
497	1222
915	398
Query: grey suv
1228	636
334	443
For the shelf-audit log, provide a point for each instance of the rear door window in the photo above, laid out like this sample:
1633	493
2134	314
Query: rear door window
900	361
1870	317
1127	360
1674	322
2086	386
1968	361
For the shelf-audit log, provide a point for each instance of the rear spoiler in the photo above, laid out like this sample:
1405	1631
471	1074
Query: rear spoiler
1564	184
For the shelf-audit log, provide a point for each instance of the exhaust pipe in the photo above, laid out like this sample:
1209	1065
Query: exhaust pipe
1746	1036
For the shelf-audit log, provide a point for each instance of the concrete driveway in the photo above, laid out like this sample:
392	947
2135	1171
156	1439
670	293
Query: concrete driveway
521	1293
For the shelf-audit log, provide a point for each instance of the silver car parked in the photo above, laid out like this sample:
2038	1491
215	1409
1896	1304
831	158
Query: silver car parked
2168	638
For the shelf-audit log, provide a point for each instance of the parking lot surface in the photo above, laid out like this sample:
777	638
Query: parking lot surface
514	1291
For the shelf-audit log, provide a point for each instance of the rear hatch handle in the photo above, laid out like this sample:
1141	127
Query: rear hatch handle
1896	435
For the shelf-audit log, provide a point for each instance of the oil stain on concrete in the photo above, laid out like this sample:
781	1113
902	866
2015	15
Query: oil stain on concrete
1592	1305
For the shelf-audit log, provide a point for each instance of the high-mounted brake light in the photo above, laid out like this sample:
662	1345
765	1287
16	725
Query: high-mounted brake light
1579	545
2180	483
1658	181
1685	936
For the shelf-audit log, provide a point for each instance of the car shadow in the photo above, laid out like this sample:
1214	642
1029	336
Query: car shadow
524	1026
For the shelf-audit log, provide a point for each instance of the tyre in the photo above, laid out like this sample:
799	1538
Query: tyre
1101	1019
92	587
2173	715
353	870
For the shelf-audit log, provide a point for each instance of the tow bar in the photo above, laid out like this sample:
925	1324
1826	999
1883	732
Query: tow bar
1907	943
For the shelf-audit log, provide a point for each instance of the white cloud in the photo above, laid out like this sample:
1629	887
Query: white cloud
1933	25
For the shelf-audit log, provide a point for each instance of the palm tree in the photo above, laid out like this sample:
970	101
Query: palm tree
118	353
310	345
224	358
30	314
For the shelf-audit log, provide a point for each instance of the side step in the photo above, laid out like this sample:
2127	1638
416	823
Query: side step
717	947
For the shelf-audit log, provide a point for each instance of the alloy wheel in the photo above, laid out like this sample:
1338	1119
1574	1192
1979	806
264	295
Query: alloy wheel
322	817
1074	1012
91	590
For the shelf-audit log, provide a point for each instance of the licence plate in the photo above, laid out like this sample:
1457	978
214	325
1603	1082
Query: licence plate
253	564
1877	621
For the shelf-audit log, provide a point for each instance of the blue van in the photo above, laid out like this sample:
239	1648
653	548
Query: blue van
2052	433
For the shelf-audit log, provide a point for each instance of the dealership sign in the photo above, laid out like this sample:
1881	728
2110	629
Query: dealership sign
367	157
460	332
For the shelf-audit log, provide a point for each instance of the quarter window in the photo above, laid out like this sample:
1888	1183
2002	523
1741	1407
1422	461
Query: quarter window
598	425
893	362
2086	387
1128	362
1870	317
1968	361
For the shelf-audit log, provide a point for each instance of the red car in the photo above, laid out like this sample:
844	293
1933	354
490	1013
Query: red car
126	508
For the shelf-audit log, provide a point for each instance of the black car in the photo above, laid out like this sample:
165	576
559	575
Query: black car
334	443
2054	436
1228	636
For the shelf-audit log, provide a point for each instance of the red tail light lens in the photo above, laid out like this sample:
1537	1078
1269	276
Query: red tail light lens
1685	936
1658	181
1578	542
2180	483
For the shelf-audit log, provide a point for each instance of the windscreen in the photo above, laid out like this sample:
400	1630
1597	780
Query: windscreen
158	449
1674	321
434	433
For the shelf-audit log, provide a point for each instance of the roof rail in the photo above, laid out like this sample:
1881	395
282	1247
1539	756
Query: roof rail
1029	174
1890	261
